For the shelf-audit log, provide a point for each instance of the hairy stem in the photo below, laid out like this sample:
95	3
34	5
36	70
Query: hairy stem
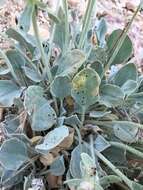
52	35
43	57
110	123
121	40
86	22
65	6
83	116
93	157
128	148
112	167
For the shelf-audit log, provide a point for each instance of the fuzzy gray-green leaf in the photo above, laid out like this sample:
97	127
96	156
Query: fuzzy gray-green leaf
17	61
13	154
52	139
129	87
8	92
70	62
59	37
32	74
111	95
61	87
125	50
24	39
126	132
75	169
127	72
32	95
85	87
136	186
101	144
101	31
87	161
25	18
57	168
43	116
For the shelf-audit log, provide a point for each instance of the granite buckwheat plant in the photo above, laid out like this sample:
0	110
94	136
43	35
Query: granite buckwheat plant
72	104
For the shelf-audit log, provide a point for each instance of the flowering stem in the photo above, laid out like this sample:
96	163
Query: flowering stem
86	22
65	6
112	167
120	41
43	57
128	148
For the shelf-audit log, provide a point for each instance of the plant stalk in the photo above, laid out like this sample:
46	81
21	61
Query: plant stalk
86	22
121	40
82	116
128	148
43	57
94	159
52	35
109	123
112	167
65	6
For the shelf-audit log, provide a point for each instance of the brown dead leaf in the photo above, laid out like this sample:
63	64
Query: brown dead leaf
1	134
90	129
67	142
94	128
100	15
35	140
130	7
54	182
1	113
47	160
55	151
69	101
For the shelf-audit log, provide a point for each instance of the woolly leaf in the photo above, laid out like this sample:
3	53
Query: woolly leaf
75	169
52	139
25	18
43	116
57	168
32	95
85	87
125	50
24	39
87	161
129	87
127	72
61	87
126	132
13	154
70	63
8	92
111	95
32	74
101	31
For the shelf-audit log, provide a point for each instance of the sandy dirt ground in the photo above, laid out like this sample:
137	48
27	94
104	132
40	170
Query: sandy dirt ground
116	12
